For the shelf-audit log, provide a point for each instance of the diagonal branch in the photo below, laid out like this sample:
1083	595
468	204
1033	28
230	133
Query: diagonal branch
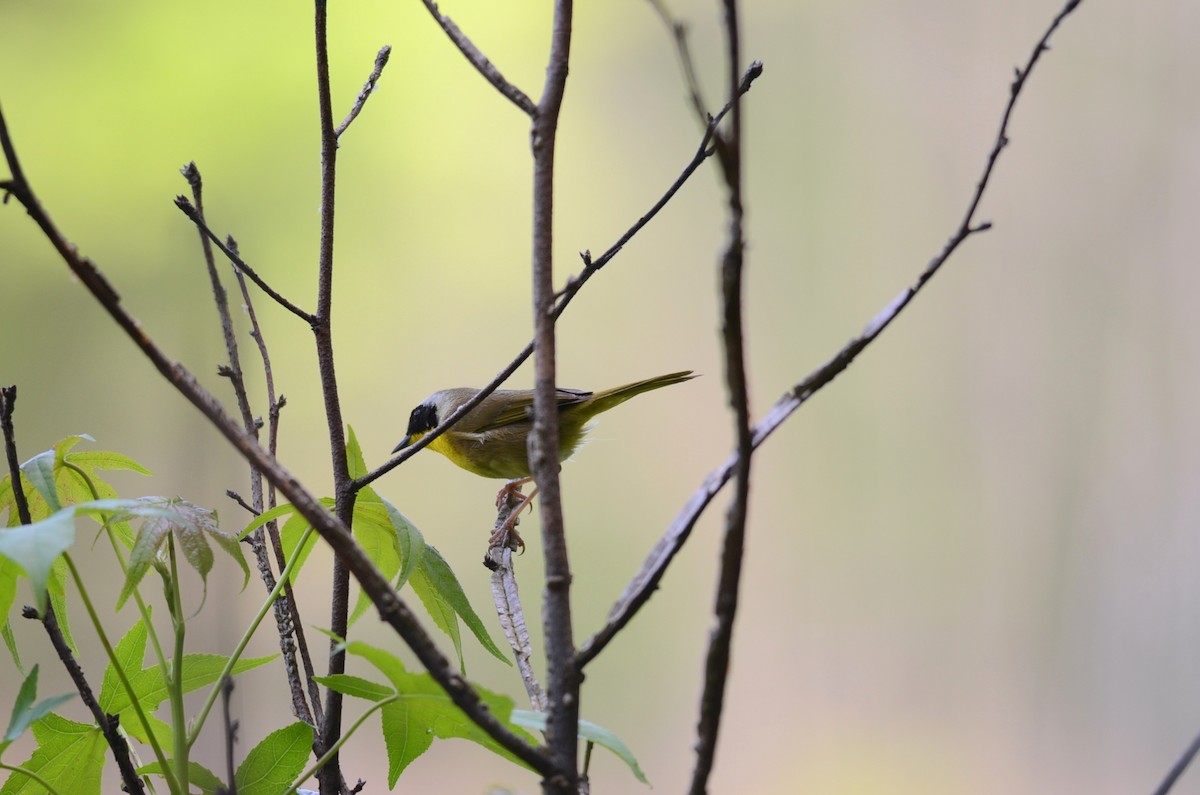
368	88
480	62
197	218
643	584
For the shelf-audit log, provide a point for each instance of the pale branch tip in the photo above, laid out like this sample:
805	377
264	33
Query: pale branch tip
381	59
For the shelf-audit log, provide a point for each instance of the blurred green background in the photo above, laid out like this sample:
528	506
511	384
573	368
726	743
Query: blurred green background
971	563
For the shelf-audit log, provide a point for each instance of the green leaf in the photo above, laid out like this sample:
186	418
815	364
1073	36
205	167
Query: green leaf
355	686
410	543
25	711
587	731
11	642
199	777
273	765
40	472
69	755
266	516
198	670
9	572
374	533
128	654
423	711
354	457
290	535
190	524
443	596
35	547
59	573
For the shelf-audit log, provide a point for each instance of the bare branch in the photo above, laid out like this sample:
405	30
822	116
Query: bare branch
480	62
368	88
716	666
643	584
562	676
195	217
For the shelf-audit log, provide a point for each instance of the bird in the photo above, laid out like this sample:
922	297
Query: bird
492	439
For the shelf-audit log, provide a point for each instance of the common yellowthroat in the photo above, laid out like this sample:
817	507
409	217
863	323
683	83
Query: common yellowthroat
492	439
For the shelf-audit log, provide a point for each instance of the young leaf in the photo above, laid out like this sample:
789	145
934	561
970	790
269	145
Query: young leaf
355	686
190	524
69	755
198	670
199	777
354	457
389	539
587	731
25	711
275	762
129	653
35	547
439	586
40	472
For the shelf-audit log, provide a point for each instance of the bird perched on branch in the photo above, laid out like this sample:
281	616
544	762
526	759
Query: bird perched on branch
492	439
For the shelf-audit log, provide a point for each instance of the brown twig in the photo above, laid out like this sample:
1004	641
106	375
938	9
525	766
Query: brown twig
716	665
644	583
679	36
562	677
194	216
480	62
574	284
336	533
49	621
368	88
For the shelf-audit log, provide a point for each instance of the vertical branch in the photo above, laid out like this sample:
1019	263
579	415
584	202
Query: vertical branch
331	730
562	673
716	667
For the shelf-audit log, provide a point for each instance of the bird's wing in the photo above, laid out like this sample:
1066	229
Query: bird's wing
520	409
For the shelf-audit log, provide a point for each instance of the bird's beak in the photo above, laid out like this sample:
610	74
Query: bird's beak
405	442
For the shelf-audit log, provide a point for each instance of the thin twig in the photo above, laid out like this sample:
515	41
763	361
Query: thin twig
392	608
480	62
194	216
574	284
368	88
683	52
108	724
1180	766
562	676
644	583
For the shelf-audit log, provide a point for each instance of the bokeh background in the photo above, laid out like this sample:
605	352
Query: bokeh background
972	559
